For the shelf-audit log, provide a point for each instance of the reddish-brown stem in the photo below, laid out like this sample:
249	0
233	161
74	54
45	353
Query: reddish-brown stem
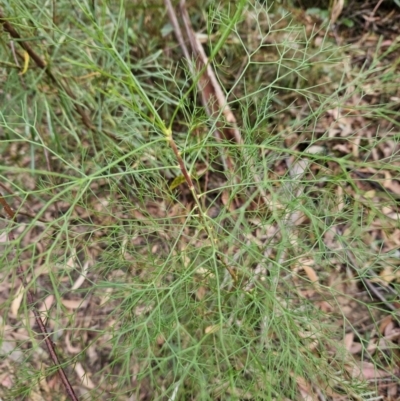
181	164
190	184
39	321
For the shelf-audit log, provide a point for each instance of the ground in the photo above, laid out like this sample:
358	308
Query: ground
180	249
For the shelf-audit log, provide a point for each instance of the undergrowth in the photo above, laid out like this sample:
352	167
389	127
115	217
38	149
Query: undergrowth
247	285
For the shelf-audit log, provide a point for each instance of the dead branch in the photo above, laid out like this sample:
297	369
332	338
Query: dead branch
212	96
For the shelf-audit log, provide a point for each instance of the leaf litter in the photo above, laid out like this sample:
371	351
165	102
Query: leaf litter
350	289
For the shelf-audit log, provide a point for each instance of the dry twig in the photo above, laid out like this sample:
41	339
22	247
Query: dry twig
212	96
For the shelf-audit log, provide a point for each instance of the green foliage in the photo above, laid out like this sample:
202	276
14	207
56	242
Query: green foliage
158	313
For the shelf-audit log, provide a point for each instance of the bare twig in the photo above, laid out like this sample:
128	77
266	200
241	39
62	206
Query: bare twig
206	90
31	213
212	96
31	301
208	101
371	16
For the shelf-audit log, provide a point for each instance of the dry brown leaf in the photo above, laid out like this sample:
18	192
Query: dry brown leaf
225	197
389	212
83	376
348	340
200	293
16	303
74	303
370	194
47	304
341	148
387	274
106	297
305	390
36	396
356	348
311	274
392	391
6	381
82	277
212	329
386	321
70	348
305	265
71	260
350	345
367	371
9	348
325	307
356	145
340	203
